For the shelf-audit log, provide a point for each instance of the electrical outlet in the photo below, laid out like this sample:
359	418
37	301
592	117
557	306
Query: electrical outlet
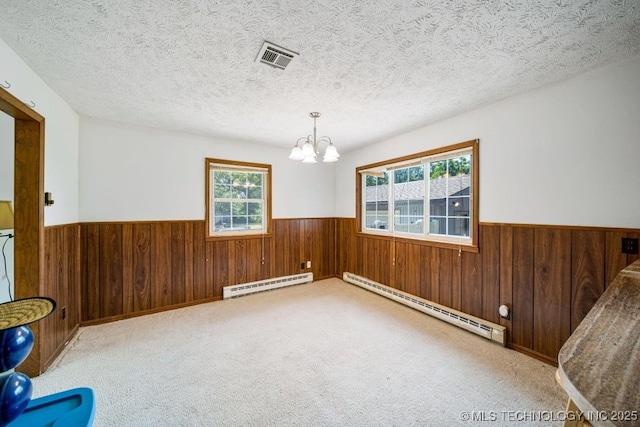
629	245
302	266
308	264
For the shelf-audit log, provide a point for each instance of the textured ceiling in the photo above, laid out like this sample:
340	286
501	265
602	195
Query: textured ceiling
374	68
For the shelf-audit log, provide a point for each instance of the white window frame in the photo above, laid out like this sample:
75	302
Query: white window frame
214	165
451	152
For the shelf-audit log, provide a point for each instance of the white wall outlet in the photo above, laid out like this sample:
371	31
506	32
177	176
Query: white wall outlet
308	264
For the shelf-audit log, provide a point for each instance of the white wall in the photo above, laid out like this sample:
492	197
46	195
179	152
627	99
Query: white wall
566	154
61	135
6	193
130	173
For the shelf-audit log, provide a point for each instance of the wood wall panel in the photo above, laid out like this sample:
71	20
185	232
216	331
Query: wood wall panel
522	310
141	234
91	272
399	260
506	273
62	283
587	272
615	259
127	268
188	261
161	252
425	272
551	290
434	274
413	270
345	245
490	243
135	268
444	283
178	291
199	262
471	284
456	280
110	279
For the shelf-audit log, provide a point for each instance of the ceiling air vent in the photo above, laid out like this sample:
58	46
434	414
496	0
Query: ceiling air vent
275	56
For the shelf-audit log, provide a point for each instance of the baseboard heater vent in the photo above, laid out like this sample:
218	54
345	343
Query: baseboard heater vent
265	285
473	324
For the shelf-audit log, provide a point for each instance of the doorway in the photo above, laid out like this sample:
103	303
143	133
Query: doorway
28	205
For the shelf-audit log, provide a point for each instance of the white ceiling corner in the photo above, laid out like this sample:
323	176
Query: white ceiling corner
373	69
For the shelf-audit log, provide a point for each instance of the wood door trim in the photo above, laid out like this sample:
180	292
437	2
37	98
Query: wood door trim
28	213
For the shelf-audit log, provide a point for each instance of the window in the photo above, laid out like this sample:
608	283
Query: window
432	196
238	200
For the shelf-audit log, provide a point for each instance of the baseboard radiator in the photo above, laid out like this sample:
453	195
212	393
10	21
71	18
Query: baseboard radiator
265	285
473	324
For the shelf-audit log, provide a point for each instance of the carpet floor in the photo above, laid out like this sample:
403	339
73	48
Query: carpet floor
326	353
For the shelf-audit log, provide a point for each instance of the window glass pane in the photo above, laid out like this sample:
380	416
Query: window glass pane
381	222
408	195
416	173
222	191
449	191
458	185
222	222
459	166
238	192
416	225
255	179
458	206
222	177
255	222
437	225
254	192
400	175
438	207
239	208
459	227
437	169
376	195
254	208
400	226
222	208
240	222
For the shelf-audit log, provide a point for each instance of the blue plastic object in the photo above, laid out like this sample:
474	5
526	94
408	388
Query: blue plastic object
70	408
15	394
15	346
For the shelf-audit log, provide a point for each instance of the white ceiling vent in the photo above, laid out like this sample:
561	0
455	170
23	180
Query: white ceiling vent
275	56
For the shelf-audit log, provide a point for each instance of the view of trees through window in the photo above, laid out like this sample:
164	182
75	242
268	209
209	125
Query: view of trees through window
237	200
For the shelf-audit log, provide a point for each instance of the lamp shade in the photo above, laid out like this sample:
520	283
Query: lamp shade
331	155
6	215
309	159
296	153
308	150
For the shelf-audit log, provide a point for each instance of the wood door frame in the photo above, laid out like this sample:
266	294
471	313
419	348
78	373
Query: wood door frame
28	197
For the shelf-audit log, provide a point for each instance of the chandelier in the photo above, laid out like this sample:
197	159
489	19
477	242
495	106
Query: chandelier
309	150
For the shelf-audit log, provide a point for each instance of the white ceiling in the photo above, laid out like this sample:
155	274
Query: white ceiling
373	68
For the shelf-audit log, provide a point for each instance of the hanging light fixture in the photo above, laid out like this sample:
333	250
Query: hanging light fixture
308	152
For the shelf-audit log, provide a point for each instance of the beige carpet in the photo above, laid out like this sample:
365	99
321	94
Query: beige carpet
326	353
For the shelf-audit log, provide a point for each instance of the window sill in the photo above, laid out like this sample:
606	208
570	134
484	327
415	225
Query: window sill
422	242
224	237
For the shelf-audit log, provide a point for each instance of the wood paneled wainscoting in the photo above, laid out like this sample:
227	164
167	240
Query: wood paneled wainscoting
134	268
549	276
